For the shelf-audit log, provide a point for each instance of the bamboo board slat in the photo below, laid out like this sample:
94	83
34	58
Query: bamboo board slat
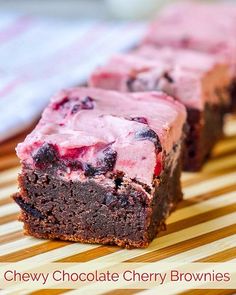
203	229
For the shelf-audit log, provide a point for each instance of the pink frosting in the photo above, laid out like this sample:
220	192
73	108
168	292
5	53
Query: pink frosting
194	76
109	123
186	58
201	26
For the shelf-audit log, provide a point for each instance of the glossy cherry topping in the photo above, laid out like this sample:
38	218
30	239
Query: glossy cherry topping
75	104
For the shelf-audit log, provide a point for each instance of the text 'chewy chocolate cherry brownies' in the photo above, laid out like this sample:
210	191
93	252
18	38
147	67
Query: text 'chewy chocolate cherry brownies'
102	167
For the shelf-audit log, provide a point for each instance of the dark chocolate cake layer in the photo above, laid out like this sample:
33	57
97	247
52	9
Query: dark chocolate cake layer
89	212
202	137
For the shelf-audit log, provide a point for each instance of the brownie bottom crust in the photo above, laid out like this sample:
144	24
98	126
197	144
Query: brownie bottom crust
205	129
52	208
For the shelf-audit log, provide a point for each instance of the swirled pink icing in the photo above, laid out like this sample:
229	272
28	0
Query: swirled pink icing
89	129
208	27
192	78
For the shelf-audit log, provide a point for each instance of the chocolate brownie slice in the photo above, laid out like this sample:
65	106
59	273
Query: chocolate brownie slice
205	27
197	80
102	167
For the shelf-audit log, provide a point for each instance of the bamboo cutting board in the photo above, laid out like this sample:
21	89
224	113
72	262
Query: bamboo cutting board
203	229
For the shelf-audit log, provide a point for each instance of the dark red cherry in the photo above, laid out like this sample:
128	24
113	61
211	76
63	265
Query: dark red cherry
46	155
61	104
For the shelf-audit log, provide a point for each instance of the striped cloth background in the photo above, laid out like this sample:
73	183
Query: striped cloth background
41	56
203	229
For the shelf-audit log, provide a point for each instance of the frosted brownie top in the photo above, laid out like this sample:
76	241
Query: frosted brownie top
193	86
89	132
182	57
201	26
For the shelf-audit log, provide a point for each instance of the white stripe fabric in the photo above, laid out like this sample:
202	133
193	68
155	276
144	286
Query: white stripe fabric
41	56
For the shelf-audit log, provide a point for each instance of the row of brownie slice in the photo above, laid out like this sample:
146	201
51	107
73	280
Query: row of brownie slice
189	52
103	165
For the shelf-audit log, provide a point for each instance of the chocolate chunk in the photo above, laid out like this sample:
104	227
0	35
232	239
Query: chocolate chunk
28	208
118	182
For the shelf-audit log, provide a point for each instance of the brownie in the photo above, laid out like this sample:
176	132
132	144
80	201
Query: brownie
201	139
232	89
204	27
197	80
102	167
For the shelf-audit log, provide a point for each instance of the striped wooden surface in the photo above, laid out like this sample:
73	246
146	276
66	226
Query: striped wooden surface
203	228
